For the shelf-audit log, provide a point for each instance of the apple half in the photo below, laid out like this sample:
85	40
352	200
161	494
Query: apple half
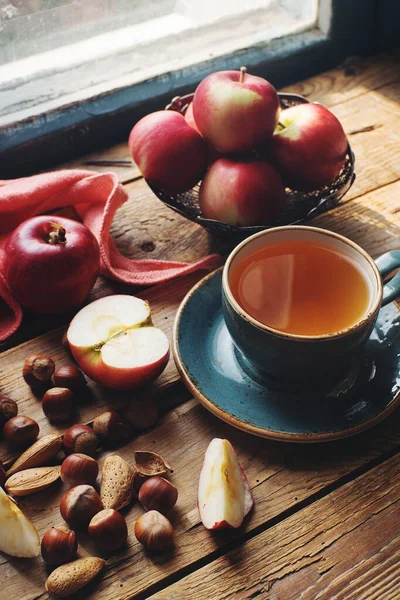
224	496
18	536
115	343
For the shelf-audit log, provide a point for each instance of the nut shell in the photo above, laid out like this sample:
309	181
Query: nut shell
38	455
117	483
58	404
59	546
154	531
108	529
69	377
21	431
31	481
8	410
79	469
79	505
38	370
80	439
73	576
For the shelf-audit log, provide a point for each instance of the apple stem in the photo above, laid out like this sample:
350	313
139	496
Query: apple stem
57	236
243	71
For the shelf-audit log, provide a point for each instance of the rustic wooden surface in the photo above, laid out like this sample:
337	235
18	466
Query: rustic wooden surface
324	522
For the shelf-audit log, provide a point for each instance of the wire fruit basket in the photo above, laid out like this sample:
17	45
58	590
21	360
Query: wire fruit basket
300	206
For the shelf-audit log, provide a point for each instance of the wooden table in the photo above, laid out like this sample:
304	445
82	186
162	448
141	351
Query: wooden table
326	518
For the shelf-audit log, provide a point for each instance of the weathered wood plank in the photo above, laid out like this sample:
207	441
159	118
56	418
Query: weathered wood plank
344	546
281	476
354	78
119	152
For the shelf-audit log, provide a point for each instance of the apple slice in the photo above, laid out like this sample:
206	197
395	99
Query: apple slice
225	496
114	342
18	536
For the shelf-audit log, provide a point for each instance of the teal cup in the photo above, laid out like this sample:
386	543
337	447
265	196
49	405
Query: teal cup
270	354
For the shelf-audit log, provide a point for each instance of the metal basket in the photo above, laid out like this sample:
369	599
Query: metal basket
300	206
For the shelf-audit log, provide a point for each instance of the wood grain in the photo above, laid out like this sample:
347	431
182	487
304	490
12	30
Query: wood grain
341	547
282	476
285	557
354	78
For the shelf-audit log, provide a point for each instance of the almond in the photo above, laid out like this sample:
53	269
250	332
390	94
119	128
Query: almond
117	483
73	576
31	481
37	455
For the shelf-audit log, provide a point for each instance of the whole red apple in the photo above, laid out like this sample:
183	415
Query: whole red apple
235	111
310	150
168	152
51	263
242	193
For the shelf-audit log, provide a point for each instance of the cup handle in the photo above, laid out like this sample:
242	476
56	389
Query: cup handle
387	263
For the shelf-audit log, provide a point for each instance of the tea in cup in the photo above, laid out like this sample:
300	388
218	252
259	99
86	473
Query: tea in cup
300	301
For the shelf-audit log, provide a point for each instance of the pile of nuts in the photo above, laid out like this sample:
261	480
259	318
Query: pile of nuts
83	507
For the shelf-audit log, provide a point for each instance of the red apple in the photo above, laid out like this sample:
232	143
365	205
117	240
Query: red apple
51	263
168	151
189	118
310	150
224	495
234	111
114	342
242	193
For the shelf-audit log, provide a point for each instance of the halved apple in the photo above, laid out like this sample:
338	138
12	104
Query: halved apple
18	536
224	496
115	343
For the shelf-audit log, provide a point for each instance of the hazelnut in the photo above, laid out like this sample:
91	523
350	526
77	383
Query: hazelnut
8	410
78	469
141	414
158	494
79	505
69	377
58	404
154	531
59	546
37	370
21	431
80	439
111	428
108	529
2	475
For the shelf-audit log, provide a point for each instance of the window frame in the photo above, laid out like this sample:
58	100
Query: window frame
344	28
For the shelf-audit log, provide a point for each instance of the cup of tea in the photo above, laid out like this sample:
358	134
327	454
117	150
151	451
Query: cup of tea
299	302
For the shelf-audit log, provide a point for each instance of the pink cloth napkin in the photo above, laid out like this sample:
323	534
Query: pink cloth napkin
95	197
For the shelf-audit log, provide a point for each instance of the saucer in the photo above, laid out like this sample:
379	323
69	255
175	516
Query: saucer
214	372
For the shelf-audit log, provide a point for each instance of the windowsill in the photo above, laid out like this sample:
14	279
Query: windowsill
47	81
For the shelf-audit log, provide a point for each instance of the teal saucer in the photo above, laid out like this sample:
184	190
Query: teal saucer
213	371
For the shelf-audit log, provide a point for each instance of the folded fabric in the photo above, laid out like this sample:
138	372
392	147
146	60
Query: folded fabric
95	197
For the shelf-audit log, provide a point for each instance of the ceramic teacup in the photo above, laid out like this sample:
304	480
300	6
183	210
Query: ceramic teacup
271	353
